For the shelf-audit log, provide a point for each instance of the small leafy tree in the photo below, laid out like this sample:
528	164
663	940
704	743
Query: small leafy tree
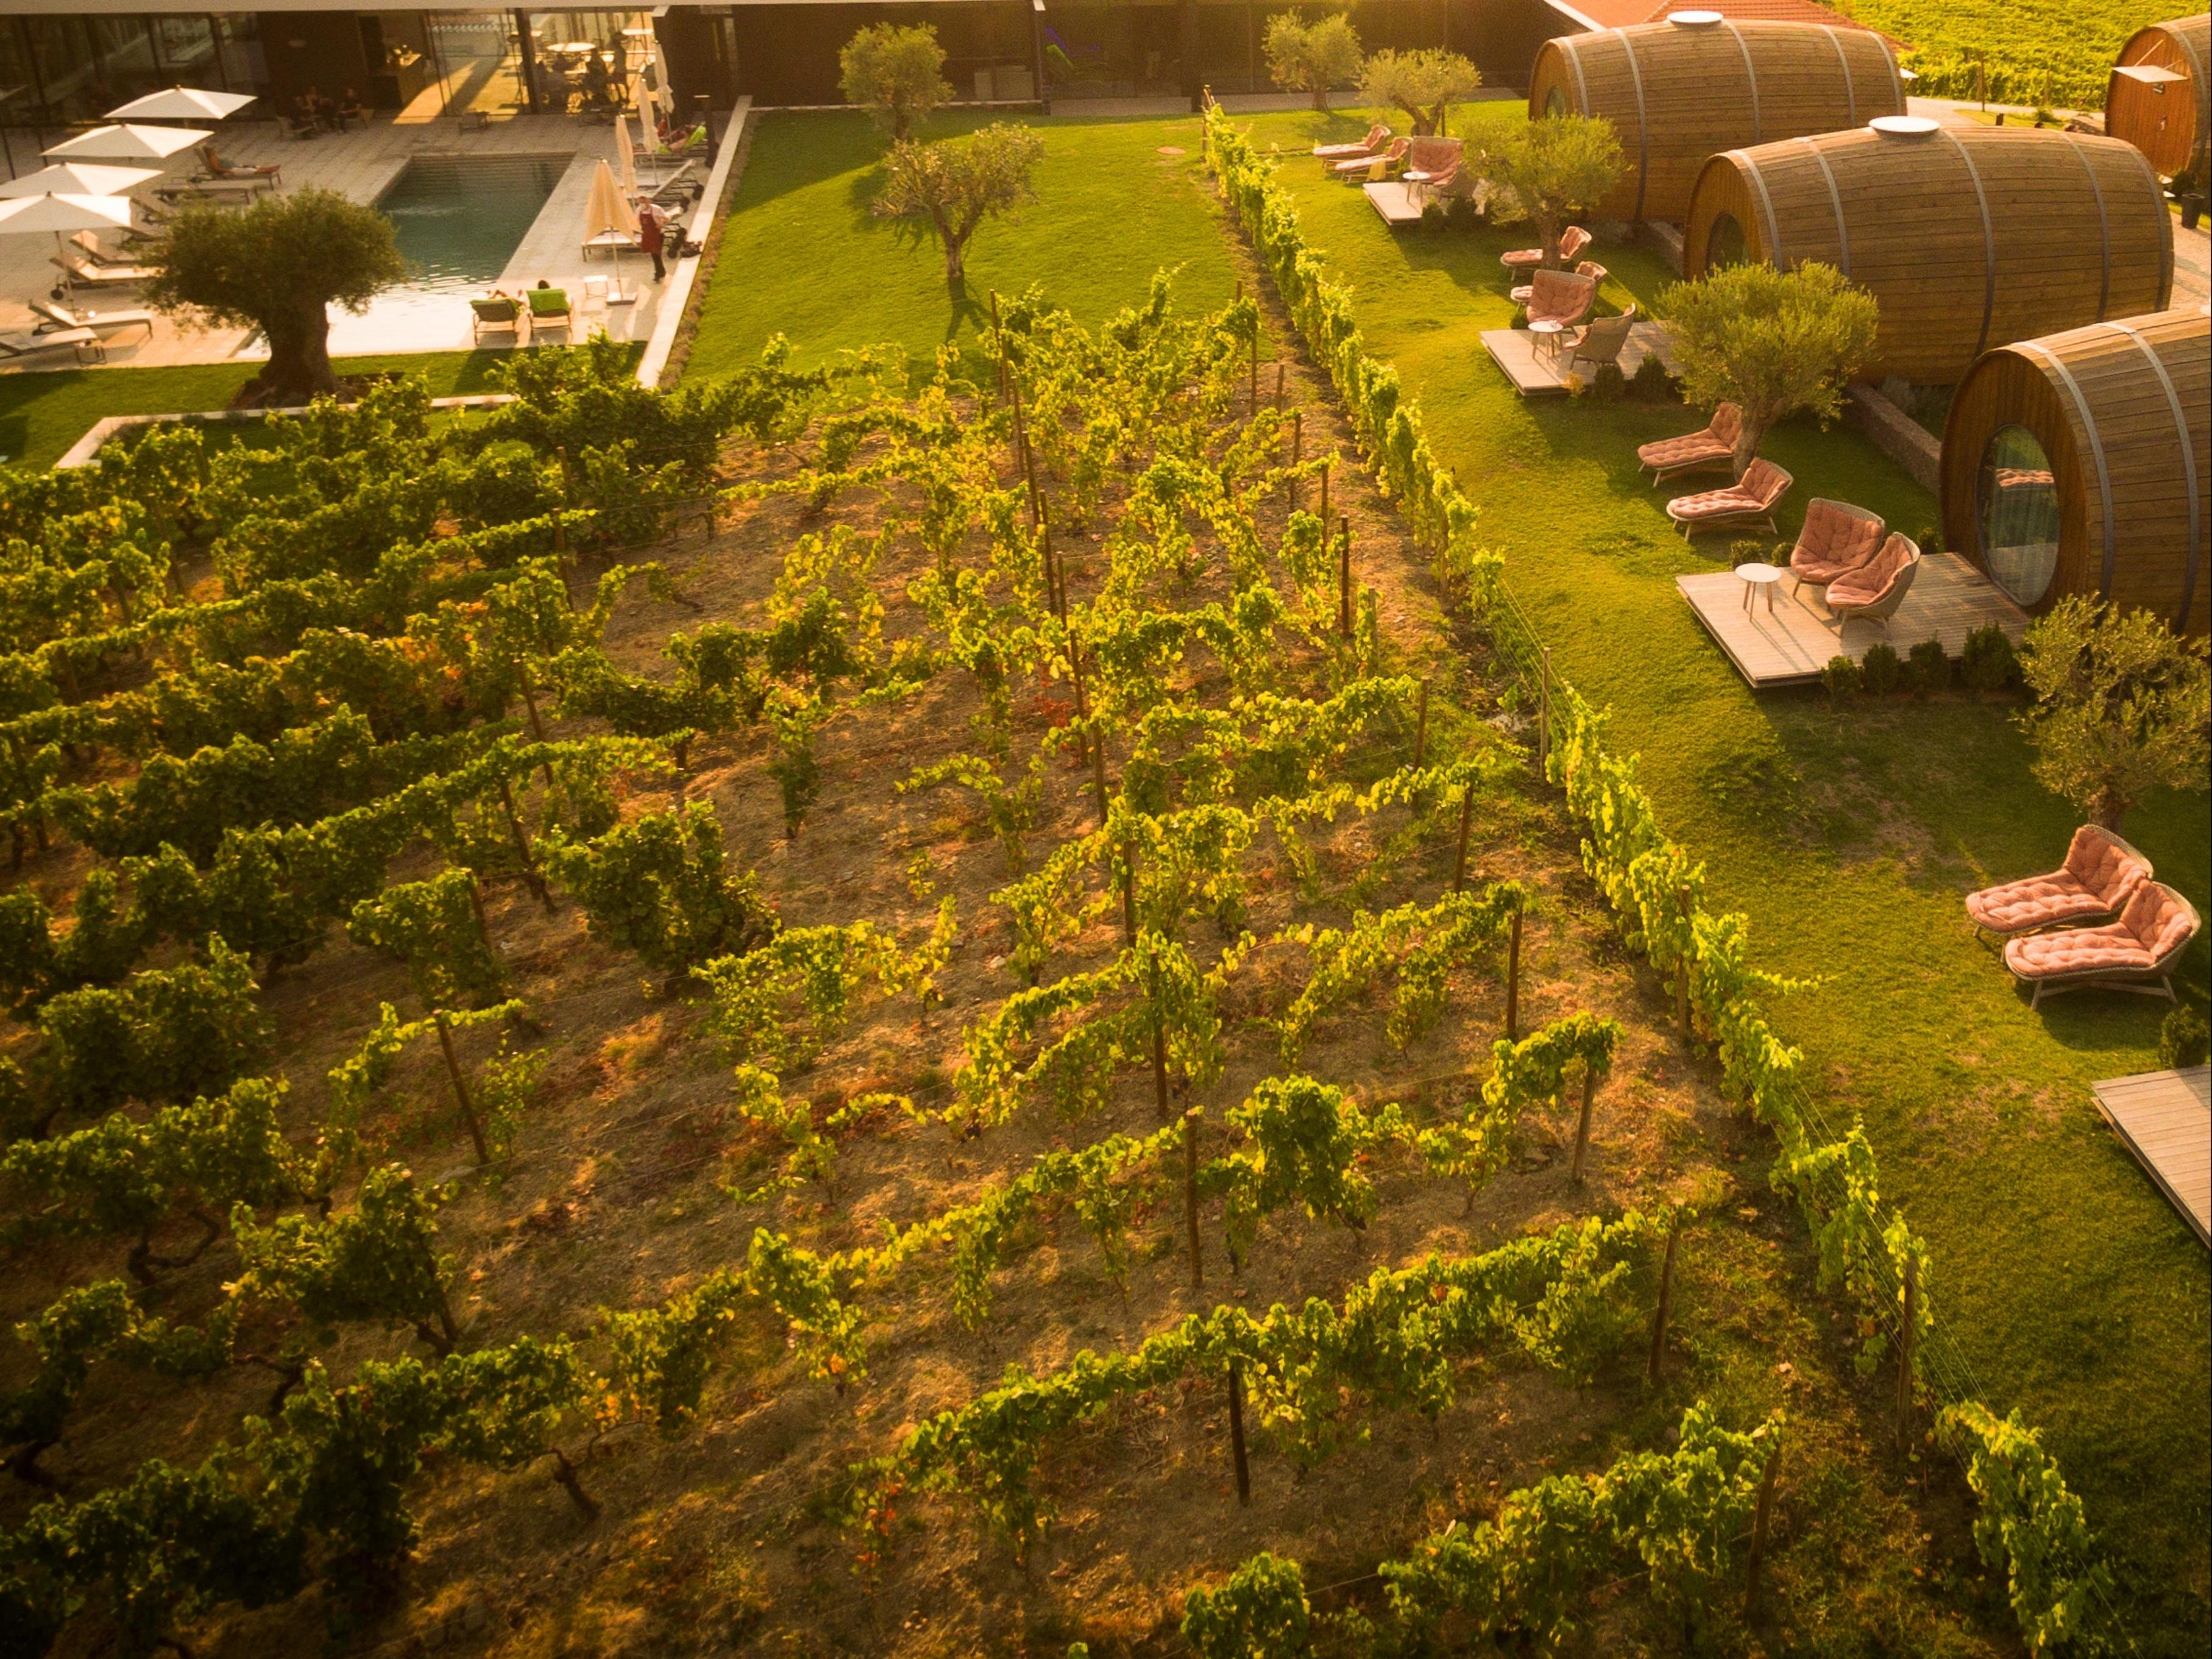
951	187
1770	342
1314	56
1424	84
1554	169
2120	706
897	73
278	266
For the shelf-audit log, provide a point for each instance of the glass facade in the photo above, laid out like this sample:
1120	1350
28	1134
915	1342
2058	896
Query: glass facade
2019	514
67	70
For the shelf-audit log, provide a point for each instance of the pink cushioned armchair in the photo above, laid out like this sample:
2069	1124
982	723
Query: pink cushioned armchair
2138	953
1837	539
2101	873
1872	591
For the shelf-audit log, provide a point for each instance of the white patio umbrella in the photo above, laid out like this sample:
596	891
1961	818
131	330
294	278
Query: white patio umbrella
63	215
77	179
181	103
607	213
130	143
640	98
625	156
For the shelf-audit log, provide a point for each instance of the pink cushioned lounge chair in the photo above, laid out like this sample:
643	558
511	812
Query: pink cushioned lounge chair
1572	241
1873	592
2101	873
2137	953
1837	539
1693	452
1377	136
1361	168
1749	502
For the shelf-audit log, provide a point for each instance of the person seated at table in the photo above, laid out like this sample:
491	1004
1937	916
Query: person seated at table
595	80
305	112
349	108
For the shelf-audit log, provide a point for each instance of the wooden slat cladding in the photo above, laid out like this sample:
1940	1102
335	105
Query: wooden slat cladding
1968	237
2171	124
2123	411
1677	94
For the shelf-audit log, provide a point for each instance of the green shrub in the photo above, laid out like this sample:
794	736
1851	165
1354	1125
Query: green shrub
1651	383
1931	539
1609	383
1989	663
1930	666
1841	677
1745	551
2184	1039
1881	671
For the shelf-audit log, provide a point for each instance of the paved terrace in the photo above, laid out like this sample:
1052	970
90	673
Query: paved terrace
361	164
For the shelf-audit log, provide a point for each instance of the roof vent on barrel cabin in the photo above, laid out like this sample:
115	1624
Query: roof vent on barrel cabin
1905	126
1695	19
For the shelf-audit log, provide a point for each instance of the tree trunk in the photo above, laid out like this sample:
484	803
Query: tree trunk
1753	434
1320	97
1547	235
299	367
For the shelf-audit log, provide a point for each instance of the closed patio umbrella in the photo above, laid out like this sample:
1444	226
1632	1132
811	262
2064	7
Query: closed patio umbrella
608	221
640	96
181	103
626	156
77	179
129	143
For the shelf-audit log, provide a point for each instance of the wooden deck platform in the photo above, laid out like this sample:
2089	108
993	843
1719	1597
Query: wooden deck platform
2165	1119
1538	374
1949	600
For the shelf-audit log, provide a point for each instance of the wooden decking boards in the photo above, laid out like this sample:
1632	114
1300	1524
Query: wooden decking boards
1790	646
2165	1119
1537	373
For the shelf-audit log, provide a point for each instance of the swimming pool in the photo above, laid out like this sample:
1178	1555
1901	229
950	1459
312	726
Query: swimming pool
459	220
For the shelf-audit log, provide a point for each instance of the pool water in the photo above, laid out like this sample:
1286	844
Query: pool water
459	220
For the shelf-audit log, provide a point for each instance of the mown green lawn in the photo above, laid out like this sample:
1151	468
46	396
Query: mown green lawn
804	256
42	415
1848	834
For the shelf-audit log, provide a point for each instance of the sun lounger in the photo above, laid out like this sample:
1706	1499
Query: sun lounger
1873	592
1696	450
2138	953
82	341
79	272
1572	241
2102	874
267	176
495	314
1364	169
615	242
549	308
57	319
1747	503
1837	539
1377	136
199	187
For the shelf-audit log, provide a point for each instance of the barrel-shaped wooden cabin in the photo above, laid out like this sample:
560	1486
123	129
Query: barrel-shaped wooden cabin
2082	462
1679	90
2159	97
1968	237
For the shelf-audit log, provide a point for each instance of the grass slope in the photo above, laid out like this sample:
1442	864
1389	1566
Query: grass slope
42	415
1848	836
804	256
2034	51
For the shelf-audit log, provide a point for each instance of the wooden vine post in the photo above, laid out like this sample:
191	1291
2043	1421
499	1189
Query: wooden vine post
460	1089
999	337
1344	576
529	703
1666	1301
531	874
1421	723
1129	925
1760	1518
1279	365
1466	818
1581	1138
1327	466
1682	964
1905	1354
1298	447
1513	978
1237	1432
1094	744
1544	715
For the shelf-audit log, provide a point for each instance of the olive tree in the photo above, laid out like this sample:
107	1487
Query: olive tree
1553	168
279	266
1425	84
1770	342
1314	56
947	189
897	72
2120	706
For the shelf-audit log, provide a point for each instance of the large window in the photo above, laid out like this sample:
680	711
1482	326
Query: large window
2019	514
